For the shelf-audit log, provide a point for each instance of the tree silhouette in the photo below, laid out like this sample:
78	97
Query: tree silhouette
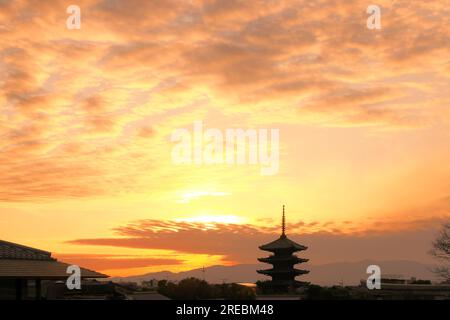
441	250
196	289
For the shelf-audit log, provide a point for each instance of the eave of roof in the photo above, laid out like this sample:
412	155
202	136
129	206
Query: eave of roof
283	242
283	259
275	272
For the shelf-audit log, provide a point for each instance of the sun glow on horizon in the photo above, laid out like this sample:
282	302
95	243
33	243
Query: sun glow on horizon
193	195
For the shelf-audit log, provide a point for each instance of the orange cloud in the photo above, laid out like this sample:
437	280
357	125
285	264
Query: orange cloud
136	63
108	262
238	243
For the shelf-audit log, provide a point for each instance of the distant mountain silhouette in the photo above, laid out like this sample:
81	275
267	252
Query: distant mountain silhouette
350	273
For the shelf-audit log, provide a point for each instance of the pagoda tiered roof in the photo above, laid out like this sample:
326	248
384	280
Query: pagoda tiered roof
283	243
277	271
290	258
283	261
288	283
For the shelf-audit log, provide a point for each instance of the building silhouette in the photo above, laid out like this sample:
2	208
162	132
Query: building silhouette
24	270
283	261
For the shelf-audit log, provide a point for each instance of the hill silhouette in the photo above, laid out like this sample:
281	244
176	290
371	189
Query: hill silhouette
350	273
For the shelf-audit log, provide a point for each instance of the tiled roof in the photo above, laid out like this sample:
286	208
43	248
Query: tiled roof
32	269
18	261
9	250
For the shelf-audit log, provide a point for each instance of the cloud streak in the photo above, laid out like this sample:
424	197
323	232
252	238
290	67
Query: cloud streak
237	243
115	262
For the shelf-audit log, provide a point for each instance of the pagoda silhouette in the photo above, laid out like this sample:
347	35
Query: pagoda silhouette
283	261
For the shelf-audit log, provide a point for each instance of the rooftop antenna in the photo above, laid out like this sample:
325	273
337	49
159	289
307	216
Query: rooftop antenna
203	272
283	224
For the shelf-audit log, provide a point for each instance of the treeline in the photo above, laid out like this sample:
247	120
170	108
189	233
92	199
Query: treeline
196	289
315	292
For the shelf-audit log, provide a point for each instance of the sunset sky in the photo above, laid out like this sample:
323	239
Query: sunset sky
86	118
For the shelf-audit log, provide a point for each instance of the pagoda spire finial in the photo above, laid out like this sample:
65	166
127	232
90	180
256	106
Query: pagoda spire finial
283	223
